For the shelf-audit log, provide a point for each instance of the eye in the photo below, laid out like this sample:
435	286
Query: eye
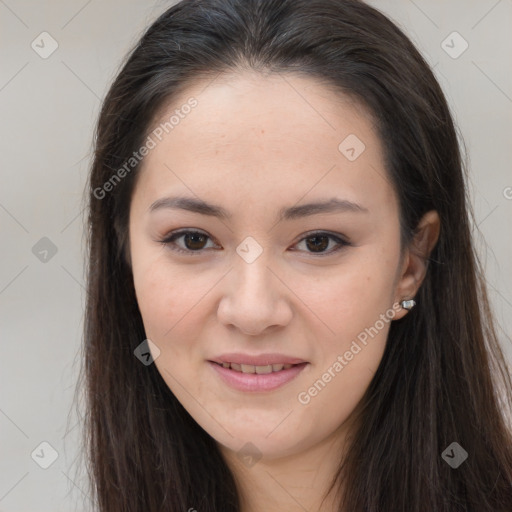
193	242
317	243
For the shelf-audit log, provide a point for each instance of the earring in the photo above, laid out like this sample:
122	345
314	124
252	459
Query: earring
408	304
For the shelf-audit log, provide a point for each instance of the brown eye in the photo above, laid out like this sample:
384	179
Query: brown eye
317	243
194	241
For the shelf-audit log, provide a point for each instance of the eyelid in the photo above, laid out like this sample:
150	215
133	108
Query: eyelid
340	239
318	232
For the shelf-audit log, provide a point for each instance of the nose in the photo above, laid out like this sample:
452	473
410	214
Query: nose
255	299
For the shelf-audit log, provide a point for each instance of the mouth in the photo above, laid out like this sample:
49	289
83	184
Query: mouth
260	370
248	377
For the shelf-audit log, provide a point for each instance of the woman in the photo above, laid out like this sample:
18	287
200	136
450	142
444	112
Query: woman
285	311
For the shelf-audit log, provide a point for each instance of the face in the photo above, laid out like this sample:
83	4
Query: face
261	279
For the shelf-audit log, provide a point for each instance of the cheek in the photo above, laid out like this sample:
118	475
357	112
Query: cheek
352	297
356	307
171	301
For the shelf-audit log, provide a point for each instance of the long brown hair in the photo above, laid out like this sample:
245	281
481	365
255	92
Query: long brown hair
443	376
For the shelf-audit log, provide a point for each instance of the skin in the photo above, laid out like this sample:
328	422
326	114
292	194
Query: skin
255	144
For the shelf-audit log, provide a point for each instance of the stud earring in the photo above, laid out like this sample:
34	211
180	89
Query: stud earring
408	304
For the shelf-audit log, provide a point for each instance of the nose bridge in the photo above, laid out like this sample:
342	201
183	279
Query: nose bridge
253	279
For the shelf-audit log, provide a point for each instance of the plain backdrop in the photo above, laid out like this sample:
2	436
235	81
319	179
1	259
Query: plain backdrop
48	107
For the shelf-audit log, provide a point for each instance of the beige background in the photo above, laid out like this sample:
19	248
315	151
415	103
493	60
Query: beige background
48	108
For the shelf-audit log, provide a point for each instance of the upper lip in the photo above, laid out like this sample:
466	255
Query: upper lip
256	360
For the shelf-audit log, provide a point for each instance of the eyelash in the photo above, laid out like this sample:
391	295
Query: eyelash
168	241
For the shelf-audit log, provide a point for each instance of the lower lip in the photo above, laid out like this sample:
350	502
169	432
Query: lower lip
257	381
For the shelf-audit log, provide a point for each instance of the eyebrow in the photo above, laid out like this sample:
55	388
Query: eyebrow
294	212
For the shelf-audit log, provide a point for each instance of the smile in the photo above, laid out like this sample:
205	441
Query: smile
260	370
254	378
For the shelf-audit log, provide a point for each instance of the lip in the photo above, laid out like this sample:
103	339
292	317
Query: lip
256	360
254	381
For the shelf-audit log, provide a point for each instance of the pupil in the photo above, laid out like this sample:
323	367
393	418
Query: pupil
190	237
318	245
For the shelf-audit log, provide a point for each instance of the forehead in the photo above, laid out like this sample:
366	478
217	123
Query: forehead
258	137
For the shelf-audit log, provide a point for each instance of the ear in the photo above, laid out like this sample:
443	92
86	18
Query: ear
415	260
